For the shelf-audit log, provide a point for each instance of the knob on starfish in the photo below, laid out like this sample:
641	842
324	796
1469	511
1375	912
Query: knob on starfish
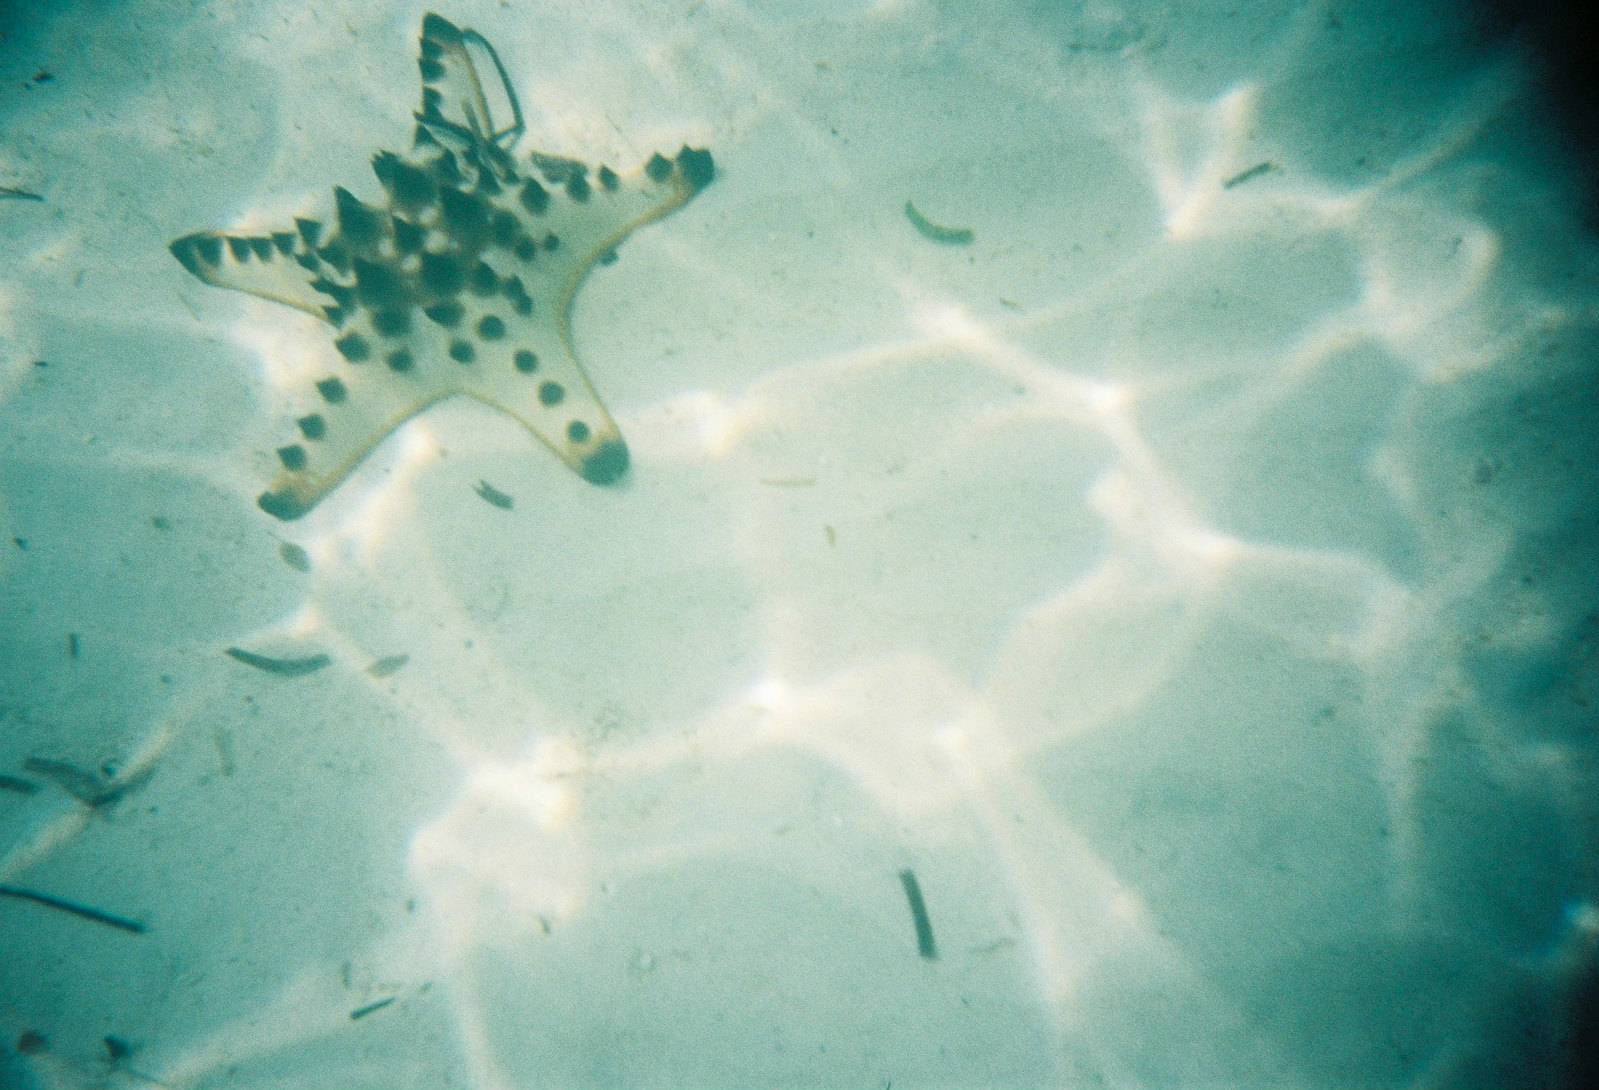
459	282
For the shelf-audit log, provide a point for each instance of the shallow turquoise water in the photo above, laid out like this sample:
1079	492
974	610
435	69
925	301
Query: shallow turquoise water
1189	579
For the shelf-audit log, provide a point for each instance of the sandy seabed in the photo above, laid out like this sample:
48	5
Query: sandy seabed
1189	579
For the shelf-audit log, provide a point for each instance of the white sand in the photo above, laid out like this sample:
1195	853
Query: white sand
1189	582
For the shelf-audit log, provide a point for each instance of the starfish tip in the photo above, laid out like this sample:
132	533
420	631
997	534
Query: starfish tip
607	463
284	505
439	29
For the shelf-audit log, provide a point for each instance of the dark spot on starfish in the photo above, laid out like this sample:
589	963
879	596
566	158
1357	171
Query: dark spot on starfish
407	185
558	169
490	327
262	247
292	457
577	187
208	247
358	224
380	285
525	361
336	255
551	393
430	104
408	236
659	168
465	216
462	351
332	390
446	314
442	274
484	281
432	71
310	231
342	294
522	305
608	257
401	360
577	431
313	427
353	347
239	247
535	198
552	241
526	248
504	228
606	463
608	178
392	323
284	241
446	170
191	251
697	166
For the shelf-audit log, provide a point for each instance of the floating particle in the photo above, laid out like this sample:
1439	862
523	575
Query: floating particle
361	1012
387	665
493	495
222	742
1247	175
924	926
949	236
294	556
73	908
18	785
93	789
291	667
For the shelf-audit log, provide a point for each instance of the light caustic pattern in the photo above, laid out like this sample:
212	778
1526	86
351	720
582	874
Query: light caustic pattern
1128	575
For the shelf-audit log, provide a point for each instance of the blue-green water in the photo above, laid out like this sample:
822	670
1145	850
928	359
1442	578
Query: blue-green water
1188	578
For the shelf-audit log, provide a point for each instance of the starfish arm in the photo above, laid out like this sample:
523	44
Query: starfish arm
620	204
579	225
339	428
284	267
452	91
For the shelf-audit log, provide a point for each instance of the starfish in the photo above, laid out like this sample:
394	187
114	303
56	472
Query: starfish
460	282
